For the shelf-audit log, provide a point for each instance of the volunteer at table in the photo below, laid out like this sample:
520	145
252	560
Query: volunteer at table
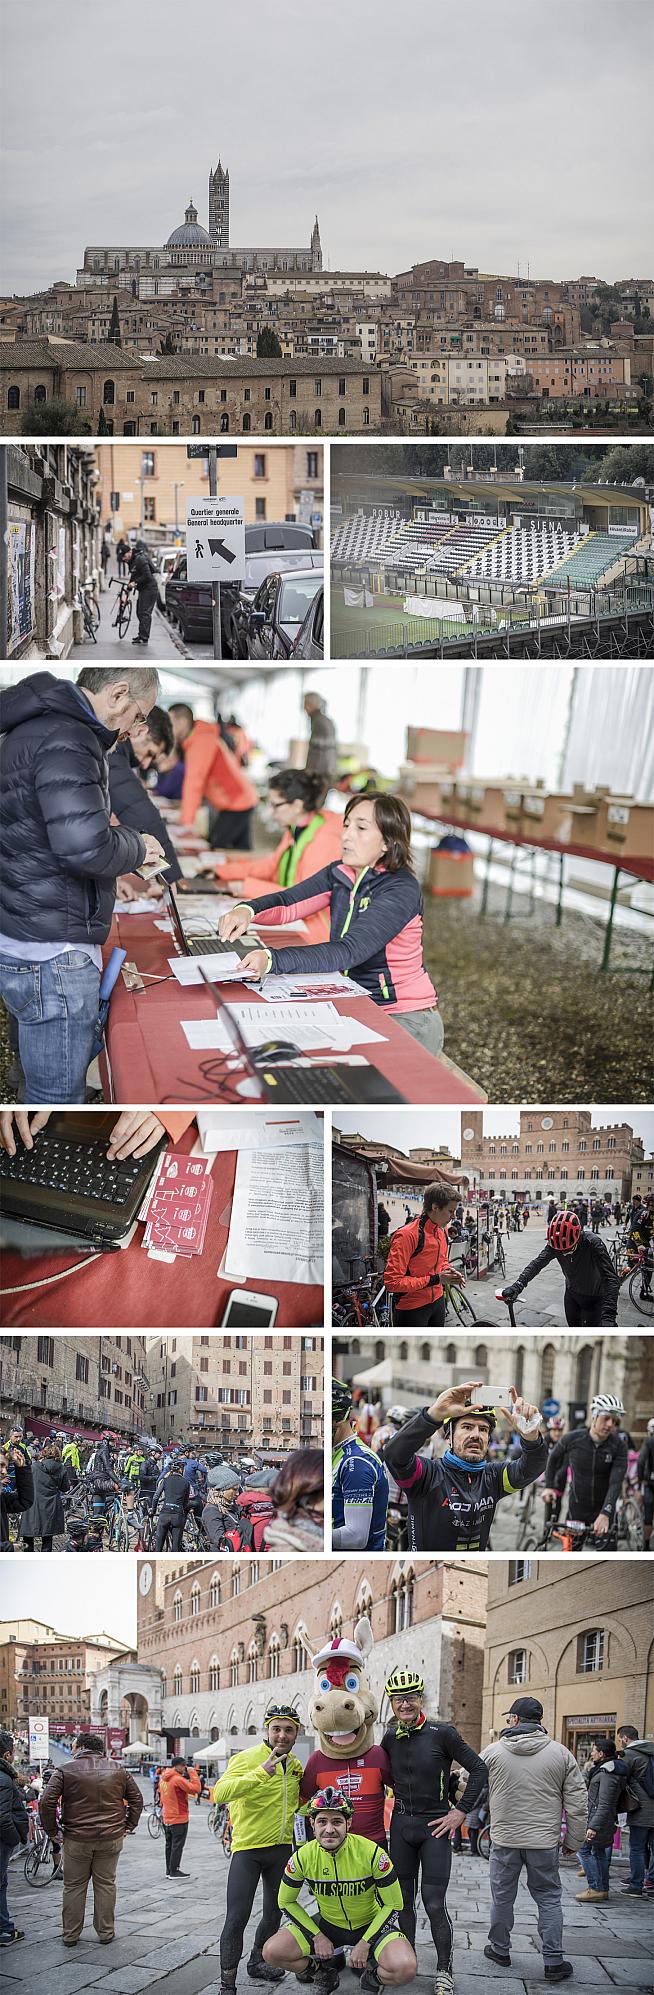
311	839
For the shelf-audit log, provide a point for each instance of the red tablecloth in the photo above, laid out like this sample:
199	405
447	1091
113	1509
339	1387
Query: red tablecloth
151	1062
126	1290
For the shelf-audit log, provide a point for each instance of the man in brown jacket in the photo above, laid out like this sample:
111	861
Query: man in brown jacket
100	1804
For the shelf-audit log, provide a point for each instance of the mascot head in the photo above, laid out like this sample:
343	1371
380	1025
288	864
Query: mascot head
343	1709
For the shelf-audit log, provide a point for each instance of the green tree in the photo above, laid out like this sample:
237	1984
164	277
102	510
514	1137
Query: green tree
55	418
268	347
114	326
103	426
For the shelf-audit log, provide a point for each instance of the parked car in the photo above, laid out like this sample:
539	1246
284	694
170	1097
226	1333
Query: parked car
279	609
271	544
310	640
164	559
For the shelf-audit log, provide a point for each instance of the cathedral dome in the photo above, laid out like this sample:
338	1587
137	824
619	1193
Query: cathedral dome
189	233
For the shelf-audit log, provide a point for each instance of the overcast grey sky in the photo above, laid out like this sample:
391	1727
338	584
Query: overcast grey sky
420	1128
497	133
94	1597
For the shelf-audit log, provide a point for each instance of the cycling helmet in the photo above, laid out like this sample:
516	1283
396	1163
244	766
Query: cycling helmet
605	1402
404	1679
284	1711
341	1400
397	1415
564	1232
330	1800
486	1413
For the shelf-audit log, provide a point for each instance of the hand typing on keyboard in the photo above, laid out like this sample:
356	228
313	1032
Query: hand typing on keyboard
136	1131
27	1127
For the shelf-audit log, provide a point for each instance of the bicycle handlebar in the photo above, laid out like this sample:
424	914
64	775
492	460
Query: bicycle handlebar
501	1297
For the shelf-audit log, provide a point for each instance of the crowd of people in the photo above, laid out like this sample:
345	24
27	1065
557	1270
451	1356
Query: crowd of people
360	1850
61	1485
393	1484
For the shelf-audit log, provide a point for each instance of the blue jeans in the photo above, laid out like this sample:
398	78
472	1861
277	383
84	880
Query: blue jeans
641	1856
596	1863
6	1924
55	1006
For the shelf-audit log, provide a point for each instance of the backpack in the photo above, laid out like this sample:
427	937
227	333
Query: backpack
638	1786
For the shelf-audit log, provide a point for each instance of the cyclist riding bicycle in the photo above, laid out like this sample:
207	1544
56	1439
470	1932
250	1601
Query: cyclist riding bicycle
357	1898
418	1259
596	1457
359	1483
592	1285
452	1499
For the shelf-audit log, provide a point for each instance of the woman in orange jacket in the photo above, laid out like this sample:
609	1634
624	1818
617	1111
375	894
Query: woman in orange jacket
418	1257
176	1783
311	839
213	775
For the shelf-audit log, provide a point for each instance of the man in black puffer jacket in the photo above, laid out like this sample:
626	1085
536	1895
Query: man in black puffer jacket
13	1831
59	863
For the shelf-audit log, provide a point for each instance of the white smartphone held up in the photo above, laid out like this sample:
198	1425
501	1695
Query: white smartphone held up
484	1395
248	1311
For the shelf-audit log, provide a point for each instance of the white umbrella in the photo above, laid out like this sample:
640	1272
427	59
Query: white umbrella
381	1374
217	1750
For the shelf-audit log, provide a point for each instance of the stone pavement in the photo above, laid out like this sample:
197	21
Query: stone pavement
541	1304
167	1934
165	644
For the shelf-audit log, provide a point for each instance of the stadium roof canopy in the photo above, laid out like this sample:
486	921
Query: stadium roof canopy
511	491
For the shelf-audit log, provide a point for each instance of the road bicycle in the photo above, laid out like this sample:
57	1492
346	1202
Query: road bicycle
362	1304
635	1265
39	1867
155	1821
124	605
194	1537
87	602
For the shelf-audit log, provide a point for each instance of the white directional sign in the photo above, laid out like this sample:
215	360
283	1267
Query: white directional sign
215	540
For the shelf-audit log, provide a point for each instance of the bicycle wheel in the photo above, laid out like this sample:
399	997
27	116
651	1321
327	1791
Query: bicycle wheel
500	1256
458	1302
89	625
94	607
124	616
211	1819
226	1839
641	1291
350	1320
630	1526
37	1868
155	1824
484	1843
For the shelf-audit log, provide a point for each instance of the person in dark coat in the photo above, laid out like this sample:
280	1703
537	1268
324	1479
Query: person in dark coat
60	858
122	550
595	1852
45	1518
16	1489
322	752
143	579
132	804
14	1825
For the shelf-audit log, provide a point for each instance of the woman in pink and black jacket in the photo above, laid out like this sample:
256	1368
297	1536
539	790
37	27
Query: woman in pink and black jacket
375	918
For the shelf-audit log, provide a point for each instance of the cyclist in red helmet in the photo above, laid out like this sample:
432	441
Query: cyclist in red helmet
592	1285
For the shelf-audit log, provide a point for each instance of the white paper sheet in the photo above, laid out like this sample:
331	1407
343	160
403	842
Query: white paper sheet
239	1129
307	1026
276	989
222	969
276	1223
140	906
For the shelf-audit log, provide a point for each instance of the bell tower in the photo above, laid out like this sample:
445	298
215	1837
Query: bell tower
219	206
316	247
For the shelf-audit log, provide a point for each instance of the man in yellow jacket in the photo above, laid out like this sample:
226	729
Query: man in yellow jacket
262	1791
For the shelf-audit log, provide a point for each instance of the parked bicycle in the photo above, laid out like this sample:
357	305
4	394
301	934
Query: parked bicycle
123	616
87	602
39	1866
155	1821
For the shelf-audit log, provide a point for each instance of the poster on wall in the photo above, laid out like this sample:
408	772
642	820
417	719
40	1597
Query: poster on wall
21	608
60	580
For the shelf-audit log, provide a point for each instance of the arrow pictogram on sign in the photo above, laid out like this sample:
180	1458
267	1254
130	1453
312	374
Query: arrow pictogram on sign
220	548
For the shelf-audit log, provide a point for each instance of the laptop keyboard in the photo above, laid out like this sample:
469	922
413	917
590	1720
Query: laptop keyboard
82	1170
211	945
316	1084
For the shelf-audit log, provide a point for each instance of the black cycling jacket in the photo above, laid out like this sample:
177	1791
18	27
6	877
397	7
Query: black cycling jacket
597	1468
588	1272
421	1764
451	1508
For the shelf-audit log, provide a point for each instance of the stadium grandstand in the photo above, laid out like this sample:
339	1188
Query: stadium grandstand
418	562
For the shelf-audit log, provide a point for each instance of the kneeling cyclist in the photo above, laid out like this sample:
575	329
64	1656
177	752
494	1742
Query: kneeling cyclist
421	1752
596	1457
357	1897
261	1788
452	1499
592	1285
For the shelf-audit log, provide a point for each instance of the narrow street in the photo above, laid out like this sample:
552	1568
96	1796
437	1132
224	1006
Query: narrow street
165	643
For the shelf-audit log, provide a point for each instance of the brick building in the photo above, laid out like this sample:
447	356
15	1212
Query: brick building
74	1382
52	543
50	1675
581	1641
565	1367
643	1176
558	1153
458	291
262	1392
229	1638
183	394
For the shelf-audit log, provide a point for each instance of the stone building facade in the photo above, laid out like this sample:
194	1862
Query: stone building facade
152	270
458	291
558	1153
50	1675
53	542
229	1639
74	1383
183	394
565	1367
261	1392
582	1641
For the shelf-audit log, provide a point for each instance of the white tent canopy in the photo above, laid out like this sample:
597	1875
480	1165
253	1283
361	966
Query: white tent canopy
381	1374
216	1751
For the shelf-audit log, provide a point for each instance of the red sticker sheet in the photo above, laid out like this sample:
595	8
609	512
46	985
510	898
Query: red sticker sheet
179	1208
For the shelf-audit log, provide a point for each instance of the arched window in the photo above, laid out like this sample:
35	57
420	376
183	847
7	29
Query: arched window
355	1347
246	424
214	1674
164	1688
255	1572
13	398
547	1363
336	1622
40	393
268	421
404	1353
214	1591
195	1679
236	1582
341	419
195	1597
450	1354
364	1599
195	425
292	421
366	418
224	422
481	1354
233	1668
274	1656
425	1353
109	392
177	1681
177	1607
317	419
583	1372
402	1603
301	1648
253	1663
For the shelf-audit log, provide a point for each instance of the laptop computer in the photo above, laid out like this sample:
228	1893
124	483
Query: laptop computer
284	1076
209	944
66	1182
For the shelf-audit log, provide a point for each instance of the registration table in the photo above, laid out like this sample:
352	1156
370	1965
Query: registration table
126	1288
149	1059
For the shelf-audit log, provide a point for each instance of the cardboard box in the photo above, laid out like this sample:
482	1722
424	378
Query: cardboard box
625	829
443	747
481	803
421	788
451	875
